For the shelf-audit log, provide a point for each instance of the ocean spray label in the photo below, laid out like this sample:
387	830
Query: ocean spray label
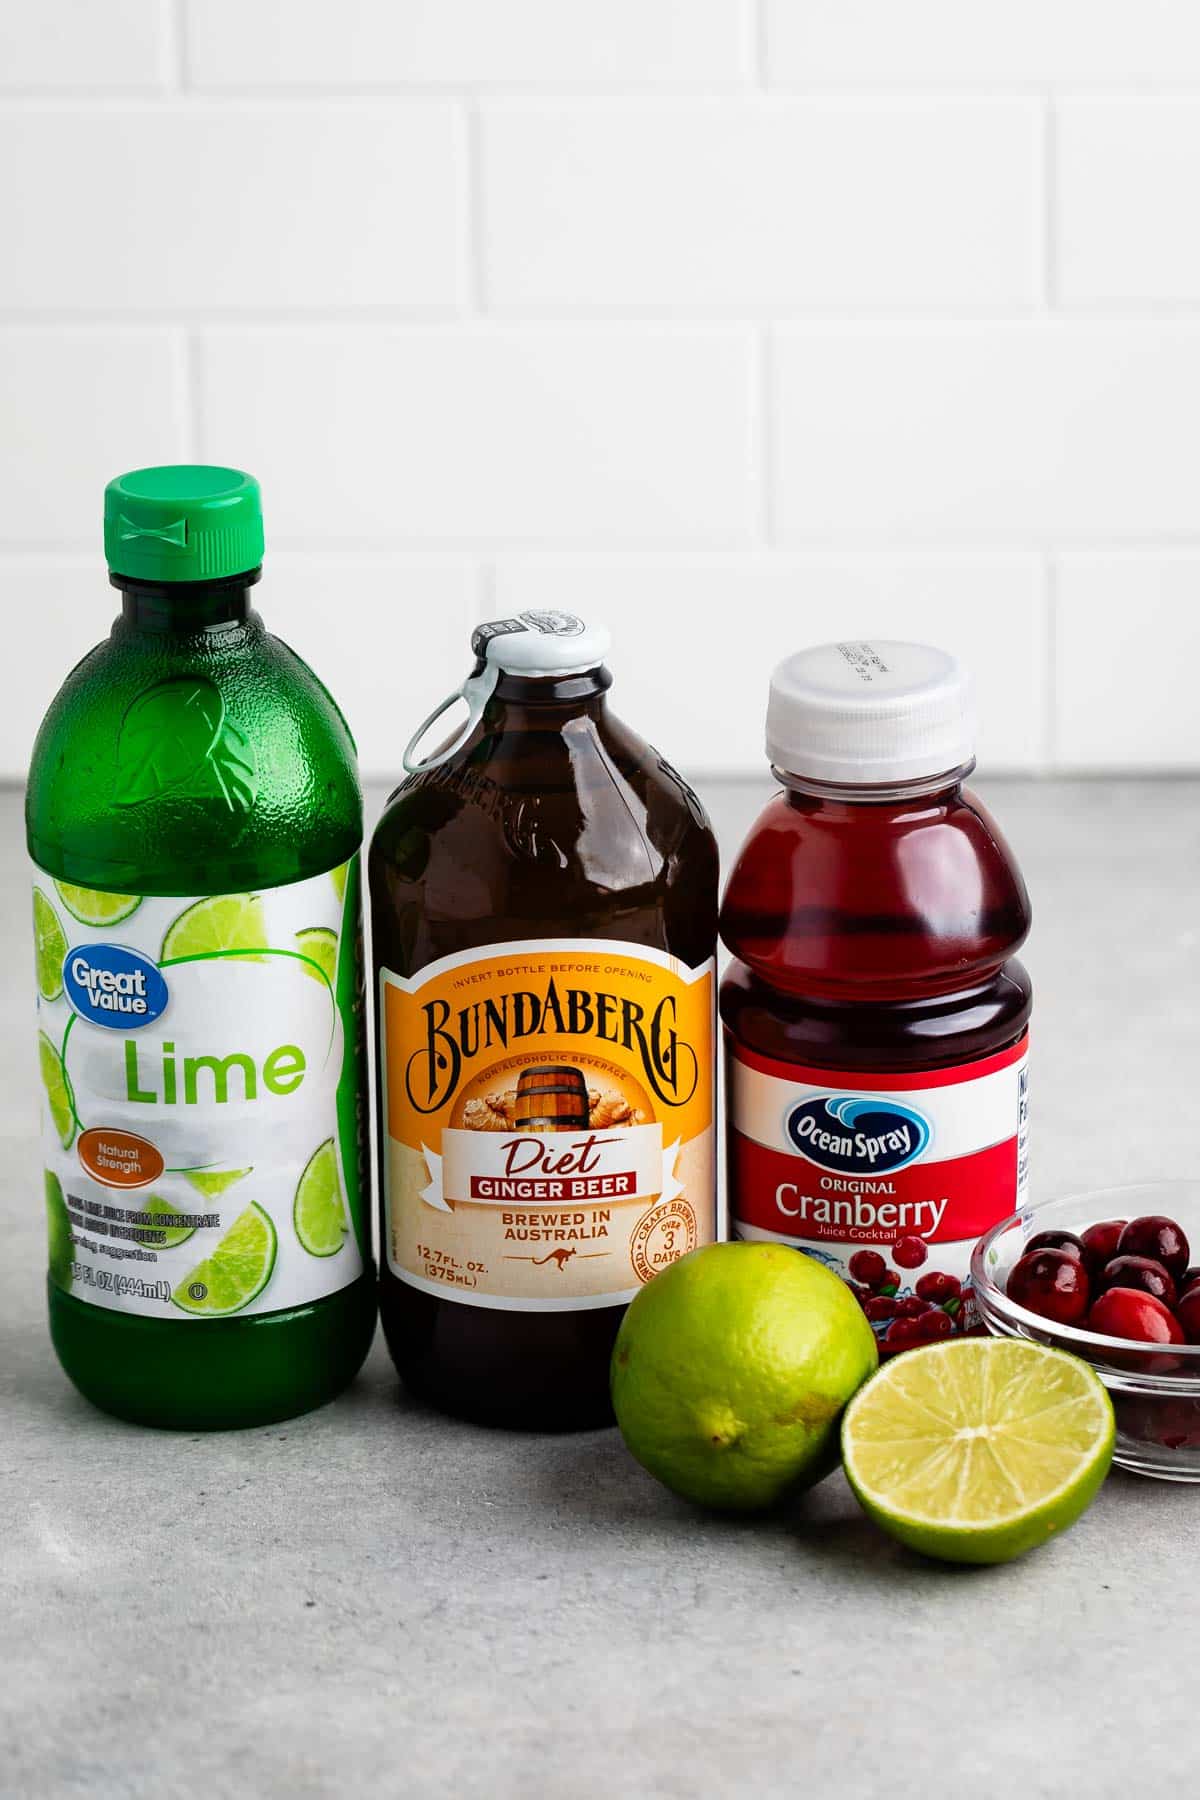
202	1128
888	1178
548	1112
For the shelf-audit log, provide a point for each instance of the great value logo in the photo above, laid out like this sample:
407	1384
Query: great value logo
109	985
851	1135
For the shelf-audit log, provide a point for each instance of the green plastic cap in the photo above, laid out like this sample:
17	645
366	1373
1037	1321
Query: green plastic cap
183	522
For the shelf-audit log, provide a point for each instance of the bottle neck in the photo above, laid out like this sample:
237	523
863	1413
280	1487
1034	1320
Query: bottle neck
582	691
801	791
185	606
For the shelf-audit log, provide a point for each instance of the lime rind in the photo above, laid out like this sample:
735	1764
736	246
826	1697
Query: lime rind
172	1235
319	1208
980	1449
57	1088
216	926
50	942
731	1369
339	877
318	945
237	1271
93	906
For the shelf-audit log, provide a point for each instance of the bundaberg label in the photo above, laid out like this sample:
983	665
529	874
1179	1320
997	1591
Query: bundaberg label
549	1121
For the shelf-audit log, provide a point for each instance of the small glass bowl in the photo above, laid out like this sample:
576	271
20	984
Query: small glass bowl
1155	1391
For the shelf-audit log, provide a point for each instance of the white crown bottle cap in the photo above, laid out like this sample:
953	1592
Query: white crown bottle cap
541	642
870	714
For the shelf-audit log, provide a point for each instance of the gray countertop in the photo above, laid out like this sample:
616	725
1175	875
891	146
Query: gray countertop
374	1598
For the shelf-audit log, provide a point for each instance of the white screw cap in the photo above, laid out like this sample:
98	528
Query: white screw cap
870	713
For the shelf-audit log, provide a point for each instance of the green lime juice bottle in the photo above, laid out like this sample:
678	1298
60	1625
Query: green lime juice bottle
194	819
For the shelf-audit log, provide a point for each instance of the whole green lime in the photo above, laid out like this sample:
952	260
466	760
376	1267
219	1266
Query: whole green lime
731	1370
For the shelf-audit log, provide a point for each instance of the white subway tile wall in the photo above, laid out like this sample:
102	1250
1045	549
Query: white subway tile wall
742	323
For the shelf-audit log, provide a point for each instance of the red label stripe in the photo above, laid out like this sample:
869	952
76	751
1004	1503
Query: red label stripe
870	1081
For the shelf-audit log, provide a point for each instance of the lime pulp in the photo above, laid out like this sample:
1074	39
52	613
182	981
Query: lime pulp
91	906
57	1090
319	945
978	1449
50	941
219	924
319	1212
237	1271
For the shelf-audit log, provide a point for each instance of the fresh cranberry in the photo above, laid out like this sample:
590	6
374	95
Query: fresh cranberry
868	1267
1188	1279
1057	1240
1188	1314
880	1306
1139	1272
912	1307
1051	1283
1129	1313
909	1252
889	1285
1159	1238
1100	1242
938	1287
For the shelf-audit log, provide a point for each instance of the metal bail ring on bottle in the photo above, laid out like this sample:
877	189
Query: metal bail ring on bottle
476	690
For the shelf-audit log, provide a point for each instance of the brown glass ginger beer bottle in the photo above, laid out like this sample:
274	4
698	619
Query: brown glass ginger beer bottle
544	905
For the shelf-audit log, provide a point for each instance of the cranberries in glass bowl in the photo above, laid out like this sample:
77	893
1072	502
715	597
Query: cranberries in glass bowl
1137	1330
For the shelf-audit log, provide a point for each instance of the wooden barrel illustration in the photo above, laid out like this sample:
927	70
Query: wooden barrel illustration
552	1097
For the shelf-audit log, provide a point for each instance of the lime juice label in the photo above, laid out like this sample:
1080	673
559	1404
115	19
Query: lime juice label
202	1130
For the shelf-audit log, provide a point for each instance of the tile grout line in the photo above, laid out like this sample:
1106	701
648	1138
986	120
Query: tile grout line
1050	204
762	413
758	59
472	200
174	42
1050	664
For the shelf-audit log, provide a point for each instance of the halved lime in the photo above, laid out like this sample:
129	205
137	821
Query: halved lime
224	922
50	941
339	878
171	1235
58	1232
978	1449
91	906
212	1182
58	1090
319	1212
237	1271
319	945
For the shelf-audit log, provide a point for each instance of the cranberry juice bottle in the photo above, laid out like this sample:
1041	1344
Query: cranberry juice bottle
544	899
876	1016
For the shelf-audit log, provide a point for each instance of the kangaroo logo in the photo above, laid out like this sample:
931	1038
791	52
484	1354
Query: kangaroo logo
559	1257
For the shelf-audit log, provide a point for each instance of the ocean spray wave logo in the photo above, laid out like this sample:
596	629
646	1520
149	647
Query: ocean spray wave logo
109	985
849	1135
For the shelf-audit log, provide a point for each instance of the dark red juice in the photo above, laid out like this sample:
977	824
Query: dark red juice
876	1017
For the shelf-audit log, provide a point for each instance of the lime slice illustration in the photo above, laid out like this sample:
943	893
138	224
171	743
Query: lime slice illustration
319	1212
212	1182
58	1232
339	878
237	1271
225	922
51	943
58	1090
172	1235
92	907
319	945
